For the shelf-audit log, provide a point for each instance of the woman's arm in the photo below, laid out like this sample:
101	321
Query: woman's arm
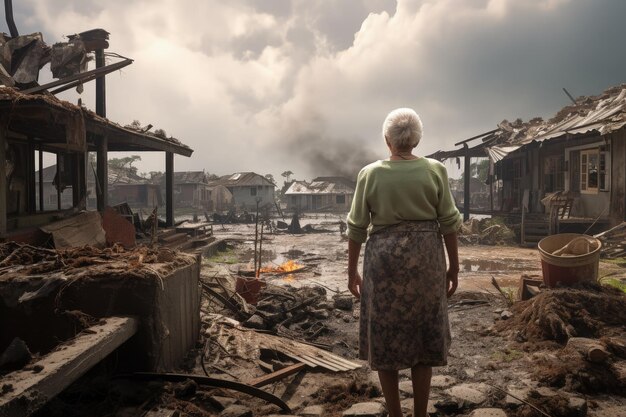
354	278
452	275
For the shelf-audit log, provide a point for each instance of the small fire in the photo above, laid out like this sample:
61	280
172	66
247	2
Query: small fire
288	266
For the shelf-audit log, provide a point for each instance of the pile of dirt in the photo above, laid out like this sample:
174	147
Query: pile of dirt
490	231
587	310
553	324
337	398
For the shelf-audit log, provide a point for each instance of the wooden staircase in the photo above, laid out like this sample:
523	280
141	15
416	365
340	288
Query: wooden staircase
534	227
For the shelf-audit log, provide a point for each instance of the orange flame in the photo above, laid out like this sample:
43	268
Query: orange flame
285	267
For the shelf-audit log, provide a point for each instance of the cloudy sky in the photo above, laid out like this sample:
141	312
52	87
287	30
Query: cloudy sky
304	85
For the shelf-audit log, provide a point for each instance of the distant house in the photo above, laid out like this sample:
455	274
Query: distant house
128	187
246	188
321	194
51	199
221	199
191	189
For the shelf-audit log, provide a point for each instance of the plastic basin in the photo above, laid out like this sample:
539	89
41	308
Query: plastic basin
567	270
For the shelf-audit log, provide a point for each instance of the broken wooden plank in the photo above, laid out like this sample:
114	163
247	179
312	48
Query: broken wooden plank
278	375
29	391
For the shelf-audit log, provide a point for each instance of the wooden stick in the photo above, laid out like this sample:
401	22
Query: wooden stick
278	375
519	399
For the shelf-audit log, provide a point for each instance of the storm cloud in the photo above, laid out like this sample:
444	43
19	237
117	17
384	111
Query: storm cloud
304	85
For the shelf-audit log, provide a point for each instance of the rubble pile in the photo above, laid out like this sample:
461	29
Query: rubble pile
613	242
21	260
295	312
585	324
485	232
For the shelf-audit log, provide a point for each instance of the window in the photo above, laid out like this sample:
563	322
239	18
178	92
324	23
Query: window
553	173
252	191
589	175
340	199
604	171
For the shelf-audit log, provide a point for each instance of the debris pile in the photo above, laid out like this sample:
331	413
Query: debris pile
292	312
585	324
485	232
613	242
22	260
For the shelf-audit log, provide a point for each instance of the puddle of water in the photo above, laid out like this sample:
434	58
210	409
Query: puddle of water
483	265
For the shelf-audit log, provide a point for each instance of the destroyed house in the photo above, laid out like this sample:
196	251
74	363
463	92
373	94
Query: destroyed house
144	301
321	194
32	125
191	189
247	188
568	170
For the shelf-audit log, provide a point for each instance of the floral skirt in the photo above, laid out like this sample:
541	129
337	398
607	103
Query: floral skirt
404	309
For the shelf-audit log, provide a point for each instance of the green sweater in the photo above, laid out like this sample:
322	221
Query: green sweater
390	192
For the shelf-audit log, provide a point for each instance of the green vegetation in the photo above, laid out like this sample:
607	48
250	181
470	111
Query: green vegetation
507	355
619	283
223	257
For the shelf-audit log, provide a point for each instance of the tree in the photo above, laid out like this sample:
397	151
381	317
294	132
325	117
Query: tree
270	178
287	175
125	163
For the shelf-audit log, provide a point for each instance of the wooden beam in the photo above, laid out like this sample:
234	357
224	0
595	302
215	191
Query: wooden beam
466	183
3	182
169	189
278	375
63	366
103	173
41	202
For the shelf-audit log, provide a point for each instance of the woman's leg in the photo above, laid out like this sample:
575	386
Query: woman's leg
389	384
421	388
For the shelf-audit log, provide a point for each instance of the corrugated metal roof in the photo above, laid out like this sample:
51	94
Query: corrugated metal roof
604	113
242	179
319	187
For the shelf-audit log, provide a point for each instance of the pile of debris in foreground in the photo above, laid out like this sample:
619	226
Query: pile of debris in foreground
485	232
585	324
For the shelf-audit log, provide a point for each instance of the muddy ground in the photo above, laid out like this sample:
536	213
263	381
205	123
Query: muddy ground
490	355
480	356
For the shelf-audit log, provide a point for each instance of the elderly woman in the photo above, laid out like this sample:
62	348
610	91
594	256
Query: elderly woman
406	203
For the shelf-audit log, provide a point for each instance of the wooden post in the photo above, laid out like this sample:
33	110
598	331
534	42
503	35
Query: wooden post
41	208
102	170
101	101
3	182
58	182
169	189
466	185
31	200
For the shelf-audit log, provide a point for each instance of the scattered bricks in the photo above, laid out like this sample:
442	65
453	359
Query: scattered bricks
221	403
343	302
369	409
320	314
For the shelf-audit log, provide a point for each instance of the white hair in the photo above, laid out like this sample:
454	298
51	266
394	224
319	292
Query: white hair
402	128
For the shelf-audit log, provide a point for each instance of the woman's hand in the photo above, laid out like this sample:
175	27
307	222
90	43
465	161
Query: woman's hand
354	284
452	280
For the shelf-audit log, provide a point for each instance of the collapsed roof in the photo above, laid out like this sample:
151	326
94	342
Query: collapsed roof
602	114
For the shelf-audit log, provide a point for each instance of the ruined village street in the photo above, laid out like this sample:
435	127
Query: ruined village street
488	358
